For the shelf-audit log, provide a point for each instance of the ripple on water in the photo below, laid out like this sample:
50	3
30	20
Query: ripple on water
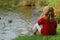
21	24
11	30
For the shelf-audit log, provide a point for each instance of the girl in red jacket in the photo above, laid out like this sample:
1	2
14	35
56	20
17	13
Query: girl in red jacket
46	24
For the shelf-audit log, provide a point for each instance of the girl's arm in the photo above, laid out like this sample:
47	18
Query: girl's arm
40	21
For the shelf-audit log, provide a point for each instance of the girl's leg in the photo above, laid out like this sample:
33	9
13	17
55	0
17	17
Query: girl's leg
37	27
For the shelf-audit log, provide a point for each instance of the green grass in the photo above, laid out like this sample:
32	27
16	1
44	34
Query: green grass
40	37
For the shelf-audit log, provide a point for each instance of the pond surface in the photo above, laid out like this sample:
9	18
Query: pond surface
17	22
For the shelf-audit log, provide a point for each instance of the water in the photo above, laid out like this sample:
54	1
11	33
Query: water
17	22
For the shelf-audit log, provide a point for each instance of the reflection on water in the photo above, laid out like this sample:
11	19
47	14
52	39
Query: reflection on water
26	12
23	19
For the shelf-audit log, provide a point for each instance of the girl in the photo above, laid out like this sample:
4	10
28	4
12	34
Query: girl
46	24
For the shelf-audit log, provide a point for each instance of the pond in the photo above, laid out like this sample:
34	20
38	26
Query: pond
17	22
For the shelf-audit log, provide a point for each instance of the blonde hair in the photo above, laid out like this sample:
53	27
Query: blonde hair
46	11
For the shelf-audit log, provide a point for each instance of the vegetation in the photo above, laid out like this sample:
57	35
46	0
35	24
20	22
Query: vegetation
58	19
54	3
8	3
39	5
40	37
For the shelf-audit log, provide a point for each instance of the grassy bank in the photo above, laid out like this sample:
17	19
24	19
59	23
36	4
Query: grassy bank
40	37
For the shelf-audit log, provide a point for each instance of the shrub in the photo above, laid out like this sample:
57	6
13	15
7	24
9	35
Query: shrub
58	19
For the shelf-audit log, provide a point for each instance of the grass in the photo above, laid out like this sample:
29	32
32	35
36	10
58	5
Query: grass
40	37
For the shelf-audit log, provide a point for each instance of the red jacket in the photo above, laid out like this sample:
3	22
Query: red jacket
48	27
